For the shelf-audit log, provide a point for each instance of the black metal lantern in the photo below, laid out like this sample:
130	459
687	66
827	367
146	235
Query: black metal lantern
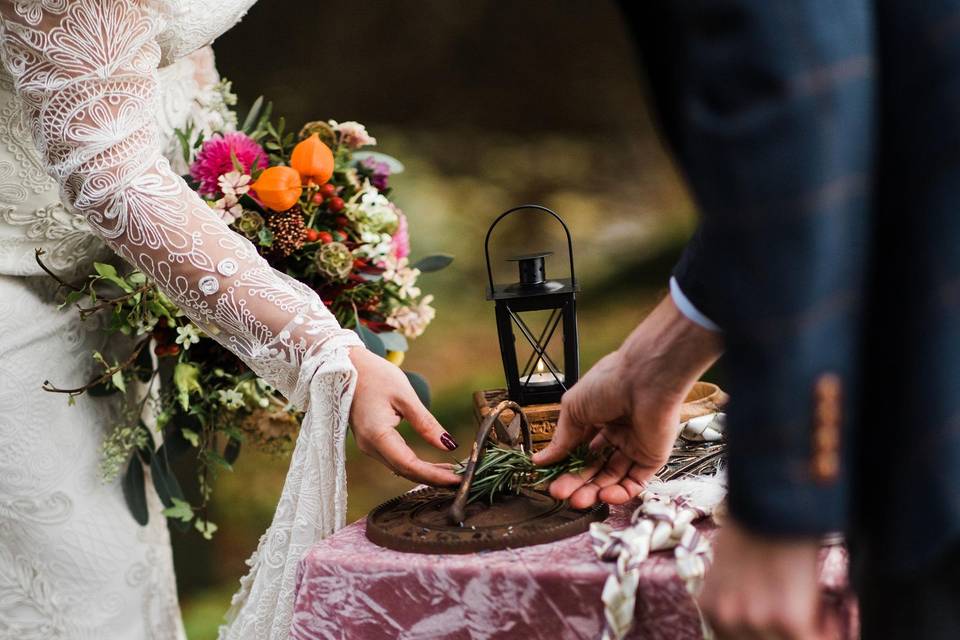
543	377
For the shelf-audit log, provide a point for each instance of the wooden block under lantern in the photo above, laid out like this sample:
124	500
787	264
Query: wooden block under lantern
542	417
703	399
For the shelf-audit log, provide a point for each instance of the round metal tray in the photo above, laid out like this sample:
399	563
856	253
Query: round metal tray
419	522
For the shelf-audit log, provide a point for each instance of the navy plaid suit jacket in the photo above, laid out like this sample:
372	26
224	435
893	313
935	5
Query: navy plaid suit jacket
821	140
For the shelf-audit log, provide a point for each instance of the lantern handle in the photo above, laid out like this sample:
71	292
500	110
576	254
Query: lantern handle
457	512
486	242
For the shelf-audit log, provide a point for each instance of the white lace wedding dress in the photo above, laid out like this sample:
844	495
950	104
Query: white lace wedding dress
89	94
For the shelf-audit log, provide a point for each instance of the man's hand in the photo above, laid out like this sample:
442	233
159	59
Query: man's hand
382	398
630	401
762	588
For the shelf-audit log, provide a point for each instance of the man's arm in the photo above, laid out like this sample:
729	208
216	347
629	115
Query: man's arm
768	106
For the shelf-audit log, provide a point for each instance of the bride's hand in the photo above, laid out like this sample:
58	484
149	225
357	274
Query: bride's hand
383	397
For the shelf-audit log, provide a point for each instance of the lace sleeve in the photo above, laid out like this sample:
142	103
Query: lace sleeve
86	72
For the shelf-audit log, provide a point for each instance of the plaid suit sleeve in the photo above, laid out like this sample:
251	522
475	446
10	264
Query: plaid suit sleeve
768	106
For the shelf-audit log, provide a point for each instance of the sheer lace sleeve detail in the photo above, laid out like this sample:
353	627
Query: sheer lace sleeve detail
86	72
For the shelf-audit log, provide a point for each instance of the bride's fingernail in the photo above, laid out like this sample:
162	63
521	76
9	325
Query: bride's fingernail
447	440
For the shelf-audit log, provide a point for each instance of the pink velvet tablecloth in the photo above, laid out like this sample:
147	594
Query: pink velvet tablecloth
349	588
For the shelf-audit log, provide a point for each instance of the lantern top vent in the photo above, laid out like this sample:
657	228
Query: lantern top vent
532	266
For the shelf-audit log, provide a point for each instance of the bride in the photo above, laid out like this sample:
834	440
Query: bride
90	92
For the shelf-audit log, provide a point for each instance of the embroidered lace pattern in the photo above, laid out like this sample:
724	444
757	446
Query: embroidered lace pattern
85	72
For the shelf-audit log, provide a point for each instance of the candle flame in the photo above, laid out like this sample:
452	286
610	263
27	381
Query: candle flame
540	367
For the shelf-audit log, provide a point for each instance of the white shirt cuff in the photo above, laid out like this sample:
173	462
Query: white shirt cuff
686	307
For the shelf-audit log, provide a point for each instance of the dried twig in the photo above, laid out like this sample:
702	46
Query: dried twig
60	281
47	386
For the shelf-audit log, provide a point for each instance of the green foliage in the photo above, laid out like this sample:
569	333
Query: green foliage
371	340
435	262
179	510
134	491
186	378
420	386
502	470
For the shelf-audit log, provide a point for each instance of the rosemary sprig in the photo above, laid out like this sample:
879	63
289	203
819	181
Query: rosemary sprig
502	471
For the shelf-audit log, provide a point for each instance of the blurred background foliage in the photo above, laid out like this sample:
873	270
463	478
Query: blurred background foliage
489	104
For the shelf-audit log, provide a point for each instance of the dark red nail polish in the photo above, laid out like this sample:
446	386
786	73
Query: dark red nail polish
447	440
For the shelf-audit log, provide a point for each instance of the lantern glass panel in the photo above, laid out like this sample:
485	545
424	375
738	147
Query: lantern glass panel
537	366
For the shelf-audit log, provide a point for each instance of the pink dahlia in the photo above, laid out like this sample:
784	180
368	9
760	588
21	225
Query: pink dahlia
214	159
400	244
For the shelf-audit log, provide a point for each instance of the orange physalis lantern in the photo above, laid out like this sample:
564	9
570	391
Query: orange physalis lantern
313	160
279	188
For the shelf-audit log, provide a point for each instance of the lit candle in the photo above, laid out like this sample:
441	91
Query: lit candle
542	377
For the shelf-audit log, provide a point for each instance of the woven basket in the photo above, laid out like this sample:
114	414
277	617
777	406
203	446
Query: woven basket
704	398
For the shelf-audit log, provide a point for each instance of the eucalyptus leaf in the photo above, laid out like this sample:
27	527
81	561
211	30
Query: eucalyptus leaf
421	386
144	365
231	451
164	481
134	491
371	340
250	122
394	341
435	262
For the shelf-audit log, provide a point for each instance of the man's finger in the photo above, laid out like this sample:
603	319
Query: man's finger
641	473
586	496
615	494
614	470
564	486
423	422
401	458
566	437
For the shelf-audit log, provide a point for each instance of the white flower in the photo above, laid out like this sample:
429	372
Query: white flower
371	211
412	321
228	208
375	246
187	335
230	398
397	272
234	183
146	324
352	134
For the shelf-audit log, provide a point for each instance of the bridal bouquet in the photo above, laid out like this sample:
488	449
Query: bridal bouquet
316	204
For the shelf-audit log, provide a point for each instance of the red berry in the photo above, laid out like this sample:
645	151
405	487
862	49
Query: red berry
339	236
335	204
327	191
324	237
317	198
173	349
312	235
160	349
342	221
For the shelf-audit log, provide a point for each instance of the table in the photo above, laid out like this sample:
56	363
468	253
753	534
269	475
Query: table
349	588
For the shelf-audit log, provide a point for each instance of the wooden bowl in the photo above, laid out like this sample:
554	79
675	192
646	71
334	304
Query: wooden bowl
704	398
